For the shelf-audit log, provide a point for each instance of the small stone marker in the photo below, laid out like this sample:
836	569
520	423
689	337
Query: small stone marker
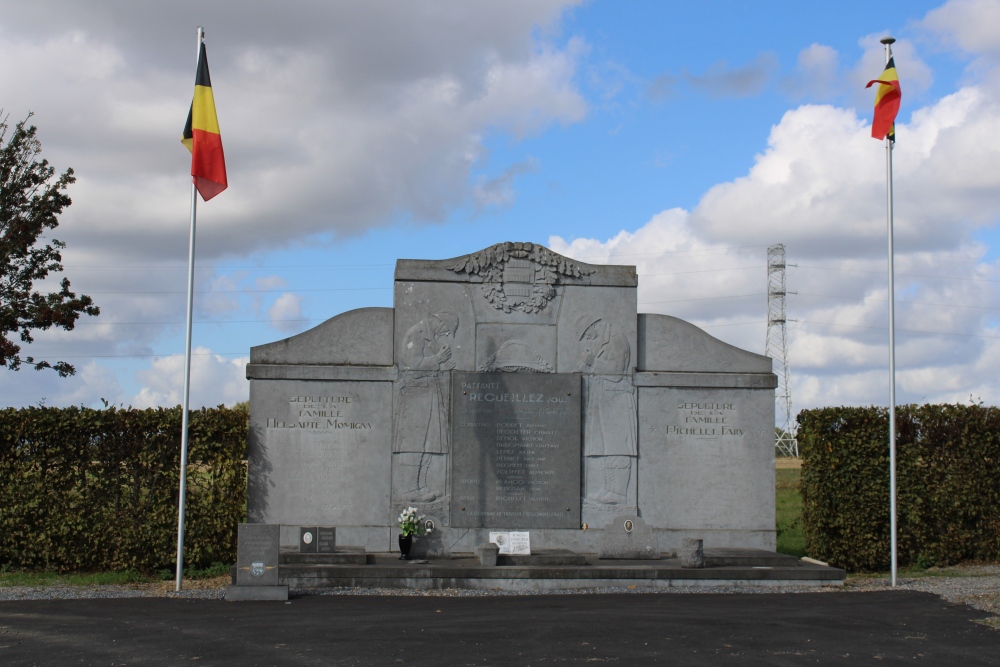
692	553
257	564
628	537
487	554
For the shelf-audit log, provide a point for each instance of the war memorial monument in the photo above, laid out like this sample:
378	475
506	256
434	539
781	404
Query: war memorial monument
512	389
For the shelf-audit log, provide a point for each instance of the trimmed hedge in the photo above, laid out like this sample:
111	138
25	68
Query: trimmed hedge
947	481
84	489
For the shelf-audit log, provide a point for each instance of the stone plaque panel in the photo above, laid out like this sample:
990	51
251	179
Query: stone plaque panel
257	554
320	453
707	458
515	450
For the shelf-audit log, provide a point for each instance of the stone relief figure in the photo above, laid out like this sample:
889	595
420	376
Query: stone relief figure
611	410
421	424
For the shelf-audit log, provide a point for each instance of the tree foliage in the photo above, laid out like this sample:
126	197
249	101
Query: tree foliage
30	203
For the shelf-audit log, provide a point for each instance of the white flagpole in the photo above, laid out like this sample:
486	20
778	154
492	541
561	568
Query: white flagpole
187	370
888	41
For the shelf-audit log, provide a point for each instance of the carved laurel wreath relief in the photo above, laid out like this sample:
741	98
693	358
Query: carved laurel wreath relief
519	276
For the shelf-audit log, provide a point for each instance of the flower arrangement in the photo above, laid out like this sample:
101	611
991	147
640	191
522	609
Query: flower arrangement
411	524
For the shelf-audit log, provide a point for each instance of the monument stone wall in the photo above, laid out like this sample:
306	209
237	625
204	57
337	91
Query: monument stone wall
512	389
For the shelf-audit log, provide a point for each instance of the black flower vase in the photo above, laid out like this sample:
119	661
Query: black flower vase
405	542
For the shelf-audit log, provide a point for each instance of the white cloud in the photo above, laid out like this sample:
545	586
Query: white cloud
214	380
286	312
970	25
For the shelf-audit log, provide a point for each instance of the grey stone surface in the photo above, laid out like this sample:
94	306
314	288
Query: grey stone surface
516	460
275	593
361	337
708	461
669	344
257	554
320	453
487	554
628	537
692	553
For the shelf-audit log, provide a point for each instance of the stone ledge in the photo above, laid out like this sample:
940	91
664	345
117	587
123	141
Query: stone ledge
316	372
706	380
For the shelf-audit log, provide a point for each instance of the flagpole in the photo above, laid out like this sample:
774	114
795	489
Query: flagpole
888	41
187	370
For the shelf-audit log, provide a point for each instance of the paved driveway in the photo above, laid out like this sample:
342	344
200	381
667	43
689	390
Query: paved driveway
892	627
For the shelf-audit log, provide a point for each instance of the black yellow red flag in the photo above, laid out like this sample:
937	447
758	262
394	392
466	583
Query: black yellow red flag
886	102
202	137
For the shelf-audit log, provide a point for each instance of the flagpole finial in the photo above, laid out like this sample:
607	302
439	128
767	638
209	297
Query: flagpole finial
888	40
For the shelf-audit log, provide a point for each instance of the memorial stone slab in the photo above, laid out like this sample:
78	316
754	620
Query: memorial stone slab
516	455
257	554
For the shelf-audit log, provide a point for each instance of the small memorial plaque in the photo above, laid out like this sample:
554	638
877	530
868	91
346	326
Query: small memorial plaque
307	540
520	543
326	539
257	554
515	450
512	543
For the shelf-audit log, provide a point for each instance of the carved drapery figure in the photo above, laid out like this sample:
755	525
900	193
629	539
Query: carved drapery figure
611	411
421	422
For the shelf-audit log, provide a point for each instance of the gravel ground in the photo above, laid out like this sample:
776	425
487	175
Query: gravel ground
977	586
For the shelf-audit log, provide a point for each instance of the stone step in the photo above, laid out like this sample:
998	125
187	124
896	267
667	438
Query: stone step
560	557
342	556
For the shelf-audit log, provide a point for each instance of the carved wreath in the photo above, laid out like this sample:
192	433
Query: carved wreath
489	265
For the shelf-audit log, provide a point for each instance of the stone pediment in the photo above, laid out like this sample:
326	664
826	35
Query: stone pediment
516	276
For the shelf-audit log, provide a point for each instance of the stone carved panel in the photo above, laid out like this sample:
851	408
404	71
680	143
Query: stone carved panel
610	413
515	348
429	319
519	276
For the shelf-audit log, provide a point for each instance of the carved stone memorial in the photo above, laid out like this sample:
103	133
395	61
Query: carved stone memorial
512	389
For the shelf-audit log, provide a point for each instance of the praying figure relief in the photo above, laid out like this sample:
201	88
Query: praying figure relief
611	411
421	438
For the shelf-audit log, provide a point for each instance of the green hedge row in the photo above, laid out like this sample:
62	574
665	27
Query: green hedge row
84	489
947	480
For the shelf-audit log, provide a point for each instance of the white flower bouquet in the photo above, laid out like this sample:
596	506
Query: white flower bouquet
411	524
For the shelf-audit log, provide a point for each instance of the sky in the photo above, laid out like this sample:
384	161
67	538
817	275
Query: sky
683	138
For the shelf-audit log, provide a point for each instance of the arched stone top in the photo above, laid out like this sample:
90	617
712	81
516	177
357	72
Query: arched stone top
361	337
669	344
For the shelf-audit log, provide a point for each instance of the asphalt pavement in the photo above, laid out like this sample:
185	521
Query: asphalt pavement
885	628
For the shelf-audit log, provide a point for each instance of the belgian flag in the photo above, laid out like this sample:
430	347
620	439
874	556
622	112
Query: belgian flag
201	136
886	102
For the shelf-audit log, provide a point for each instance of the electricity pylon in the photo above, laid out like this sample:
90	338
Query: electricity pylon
777	348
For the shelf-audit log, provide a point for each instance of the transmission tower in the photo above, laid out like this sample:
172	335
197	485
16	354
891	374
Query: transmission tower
777	348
